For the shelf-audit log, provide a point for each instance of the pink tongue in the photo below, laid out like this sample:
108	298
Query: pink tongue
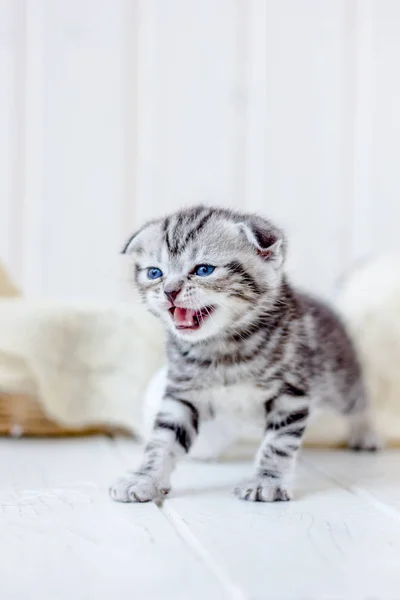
183	317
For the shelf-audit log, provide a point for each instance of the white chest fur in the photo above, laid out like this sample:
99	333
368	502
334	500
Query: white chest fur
239	415
242	401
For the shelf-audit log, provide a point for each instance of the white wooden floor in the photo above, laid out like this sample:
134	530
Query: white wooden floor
62	538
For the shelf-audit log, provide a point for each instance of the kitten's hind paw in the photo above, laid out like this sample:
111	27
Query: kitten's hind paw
137	487
262	490
363	437
367	441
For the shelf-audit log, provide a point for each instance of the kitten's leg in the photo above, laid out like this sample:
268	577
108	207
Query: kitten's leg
174	431
276	457
216	434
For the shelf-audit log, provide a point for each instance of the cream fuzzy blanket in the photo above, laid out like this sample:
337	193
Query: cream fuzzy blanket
86	364
92	364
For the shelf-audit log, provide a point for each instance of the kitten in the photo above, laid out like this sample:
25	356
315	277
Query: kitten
241	340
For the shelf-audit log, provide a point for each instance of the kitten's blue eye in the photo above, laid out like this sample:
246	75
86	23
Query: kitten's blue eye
154	273
203	270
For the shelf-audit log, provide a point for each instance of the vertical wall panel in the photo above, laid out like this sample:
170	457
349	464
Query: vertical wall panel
147	101
364	110
132	17
255	143
377	131
187	104
35	162
297	135
83	161
11	79
386	127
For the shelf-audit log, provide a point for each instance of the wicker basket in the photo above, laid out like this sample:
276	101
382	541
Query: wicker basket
21	414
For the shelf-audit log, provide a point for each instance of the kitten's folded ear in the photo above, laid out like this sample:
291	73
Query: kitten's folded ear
134	244
129	246
267	239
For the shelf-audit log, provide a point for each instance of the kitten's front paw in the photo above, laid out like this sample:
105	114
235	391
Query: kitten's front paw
262	489
137	488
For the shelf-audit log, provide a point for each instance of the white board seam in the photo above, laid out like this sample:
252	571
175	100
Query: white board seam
233	590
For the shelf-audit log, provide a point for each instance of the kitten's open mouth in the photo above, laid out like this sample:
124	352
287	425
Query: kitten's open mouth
188	318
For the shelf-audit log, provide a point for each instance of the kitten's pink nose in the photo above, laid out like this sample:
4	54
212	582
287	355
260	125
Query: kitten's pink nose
171	293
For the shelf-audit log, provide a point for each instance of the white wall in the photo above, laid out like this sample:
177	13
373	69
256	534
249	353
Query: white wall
113	111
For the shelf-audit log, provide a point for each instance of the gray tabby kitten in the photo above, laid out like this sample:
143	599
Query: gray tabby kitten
241	340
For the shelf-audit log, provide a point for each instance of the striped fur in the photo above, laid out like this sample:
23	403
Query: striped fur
266	353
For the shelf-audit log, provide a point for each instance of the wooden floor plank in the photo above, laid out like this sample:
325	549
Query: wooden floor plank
328	543
62	537
375	477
